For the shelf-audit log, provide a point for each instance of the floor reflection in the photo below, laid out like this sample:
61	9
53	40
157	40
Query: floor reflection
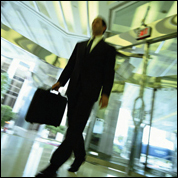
24	157
33	160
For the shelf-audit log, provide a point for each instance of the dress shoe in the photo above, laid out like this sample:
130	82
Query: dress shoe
50	171
46	174
75	166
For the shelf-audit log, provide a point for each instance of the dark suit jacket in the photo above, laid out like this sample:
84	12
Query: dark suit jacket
91	72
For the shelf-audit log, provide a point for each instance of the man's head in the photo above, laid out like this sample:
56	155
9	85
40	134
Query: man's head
98	26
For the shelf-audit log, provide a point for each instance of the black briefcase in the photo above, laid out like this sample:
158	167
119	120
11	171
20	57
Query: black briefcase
46	108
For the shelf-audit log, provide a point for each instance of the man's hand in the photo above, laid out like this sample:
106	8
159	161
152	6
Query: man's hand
103	103
56	86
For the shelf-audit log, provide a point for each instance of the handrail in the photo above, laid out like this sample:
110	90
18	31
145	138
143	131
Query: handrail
141	115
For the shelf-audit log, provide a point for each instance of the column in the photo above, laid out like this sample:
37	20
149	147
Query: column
13	67
105	147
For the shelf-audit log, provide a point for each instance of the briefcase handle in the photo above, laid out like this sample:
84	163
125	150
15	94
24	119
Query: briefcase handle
56	92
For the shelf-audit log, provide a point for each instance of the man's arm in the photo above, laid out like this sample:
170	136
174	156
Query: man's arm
66	73
108	77
109	71
103	103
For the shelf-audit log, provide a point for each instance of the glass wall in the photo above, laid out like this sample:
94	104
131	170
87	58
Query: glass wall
113	129
162	152
26	73
109	133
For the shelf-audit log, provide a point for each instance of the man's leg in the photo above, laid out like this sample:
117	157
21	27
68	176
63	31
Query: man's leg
58	158
79	148
80	155
81	115
73	139
73	136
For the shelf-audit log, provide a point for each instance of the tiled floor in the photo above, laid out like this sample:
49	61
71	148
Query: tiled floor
24	157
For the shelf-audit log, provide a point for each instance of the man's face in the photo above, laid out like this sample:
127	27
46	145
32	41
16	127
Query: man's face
97	26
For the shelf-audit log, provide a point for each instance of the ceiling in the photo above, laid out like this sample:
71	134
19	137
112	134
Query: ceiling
54	27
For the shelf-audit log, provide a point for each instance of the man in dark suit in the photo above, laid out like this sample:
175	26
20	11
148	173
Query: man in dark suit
90	70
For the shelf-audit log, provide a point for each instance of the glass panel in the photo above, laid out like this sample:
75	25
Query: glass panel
109	133
163	59
136	13
29	3
42	8
163	135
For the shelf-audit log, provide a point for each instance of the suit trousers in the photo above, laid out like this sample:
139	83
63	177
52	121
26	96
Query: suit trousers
79	109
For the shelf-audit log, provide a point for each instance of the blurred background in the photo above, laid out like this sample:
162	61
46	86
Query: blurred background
37	39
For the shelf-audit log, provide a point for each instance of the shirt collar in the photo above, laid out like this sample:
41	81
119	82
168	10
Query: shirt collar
98	37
